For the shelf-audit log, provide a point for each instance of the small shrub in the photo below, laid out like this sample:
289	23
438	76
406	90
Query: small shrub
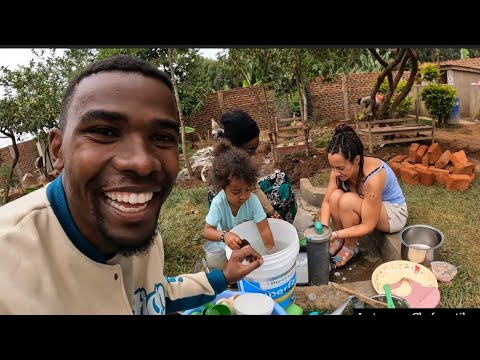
430	73
439	100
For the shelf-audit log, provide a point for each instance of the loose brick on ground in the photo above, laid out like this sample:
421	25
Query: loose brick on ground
410	176
422	149
443	160
412	152
396	168
406	164
427	178
425	160
441	175
433	153
465	168
398	158
458	157
458	182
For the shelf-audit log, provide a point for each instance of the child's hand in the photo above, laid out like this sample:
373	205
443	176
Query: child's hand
271	250
232	240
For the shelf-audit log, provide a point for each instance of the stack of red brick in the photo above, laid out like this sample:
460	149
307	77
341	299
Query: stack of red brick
427	165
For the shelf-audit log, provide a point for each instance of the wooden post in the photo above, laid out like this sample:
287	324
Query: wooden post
433	129
220	101
370	142
345	97
417	103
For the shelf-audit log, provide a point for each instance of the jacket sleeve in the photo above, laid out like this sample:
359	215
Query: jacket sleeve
269	210
191	290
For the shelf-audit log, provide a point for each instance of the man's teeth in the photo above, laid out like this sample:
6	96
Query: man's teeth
117	205
130	197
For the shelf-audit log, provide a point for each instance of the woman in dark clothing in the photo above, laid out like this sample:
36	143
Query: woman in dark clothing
274	190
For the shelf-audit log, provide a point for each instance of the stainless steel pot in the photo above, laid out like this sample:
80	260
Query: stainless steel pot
421	243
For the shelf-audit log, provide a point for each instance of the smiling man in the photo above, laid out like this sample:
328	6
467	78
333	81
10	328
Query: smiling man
87	243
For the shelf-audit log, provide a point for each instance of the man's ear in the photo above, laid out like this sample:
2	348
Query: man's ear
55	140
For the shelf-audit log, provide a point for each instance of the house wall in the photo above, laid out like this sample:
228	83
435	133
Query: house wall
462	81
474	102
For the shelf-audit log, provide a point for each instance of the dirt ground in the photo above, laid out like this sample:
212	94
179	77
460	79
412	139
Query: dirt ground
453	138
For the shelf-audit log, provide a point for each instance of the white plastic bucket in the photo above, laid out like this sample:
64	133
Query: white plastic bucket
277	276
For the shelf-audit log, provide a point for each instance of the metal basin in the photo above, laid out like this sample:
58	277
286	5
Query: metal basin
420	243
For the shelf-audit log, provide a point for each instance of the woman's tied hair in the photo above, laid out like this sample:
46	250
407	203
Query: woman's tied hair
231	163
346	141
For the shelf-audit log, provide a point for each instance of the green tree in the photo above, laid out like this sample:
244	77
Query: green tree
186	70
256	67
10	127
33	93
443	54
397	62
405	105
171	55
219	75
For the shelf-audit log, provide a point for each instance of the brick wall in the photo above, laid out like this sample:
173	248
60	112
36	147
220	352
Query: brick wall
26	163
327	101
236	99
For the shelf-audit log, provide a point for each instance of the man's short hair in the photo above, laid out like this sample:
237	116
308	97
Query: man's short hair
122	63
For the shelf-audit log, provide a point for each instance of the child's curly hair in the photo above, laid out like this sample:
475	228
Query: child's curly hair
231	163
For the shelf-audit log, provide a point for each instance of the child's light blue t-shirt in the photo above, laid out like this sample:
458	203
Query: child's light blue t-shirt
220	215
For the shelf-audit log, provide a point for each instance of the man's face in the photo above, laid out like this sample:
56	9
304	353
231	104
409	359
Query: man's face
119	155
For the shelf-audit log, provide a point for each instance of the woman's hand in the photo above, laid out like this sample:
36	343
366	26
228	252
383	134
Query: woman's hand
334	236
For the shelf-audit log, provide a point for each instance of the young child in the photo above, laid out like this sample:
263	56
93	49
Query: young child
235	175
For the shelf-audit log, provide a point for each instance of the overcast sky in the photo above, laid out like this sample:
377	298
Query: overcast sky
12	58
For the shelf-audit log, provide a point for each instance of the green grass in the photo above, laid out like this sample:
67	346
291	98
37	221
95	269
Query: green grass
457	215
181	223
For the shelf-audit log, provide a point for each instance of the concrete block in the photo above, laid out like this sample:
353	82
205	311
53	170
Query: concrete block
312	194
388	245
